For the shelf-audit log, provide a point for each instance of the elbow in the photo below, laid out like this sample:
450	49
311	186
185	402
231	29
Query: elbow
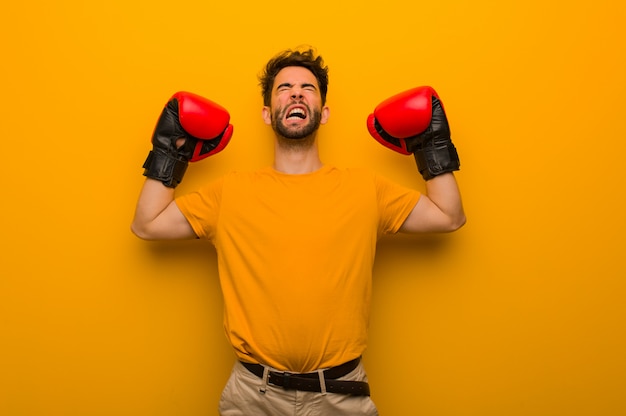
139	231
457	222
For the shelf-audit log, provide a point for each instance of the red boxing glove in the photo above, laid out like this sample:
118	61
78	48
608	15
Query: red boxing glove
202	124
414	122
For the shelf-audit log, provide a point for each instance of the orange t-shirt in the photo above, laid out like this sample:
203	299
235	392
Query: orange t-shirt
295	256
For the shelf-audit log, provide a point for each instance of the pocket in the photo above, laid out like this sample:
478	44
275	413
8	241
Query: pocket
225	403
241	395
346	405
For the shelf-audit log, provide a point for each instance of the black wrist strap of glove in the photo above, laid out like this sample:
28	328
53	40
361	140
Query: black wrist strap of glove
436	158
164	168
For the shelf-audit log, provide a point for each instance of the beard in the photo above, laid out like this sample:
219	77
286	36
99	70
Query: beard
299	136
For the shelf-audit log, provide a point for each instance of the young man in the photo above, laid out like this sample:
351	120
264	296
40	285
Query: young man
296	241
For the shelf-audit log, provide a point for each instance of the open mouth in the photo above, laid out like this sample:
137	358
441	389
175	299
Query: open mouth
296	113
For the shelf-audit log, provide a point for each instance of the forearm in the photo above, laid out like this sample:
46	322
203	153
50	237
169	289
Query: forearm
154	199
439	209
444	192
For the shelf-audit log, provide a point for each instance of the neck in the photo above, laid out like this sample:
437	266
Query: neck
296	157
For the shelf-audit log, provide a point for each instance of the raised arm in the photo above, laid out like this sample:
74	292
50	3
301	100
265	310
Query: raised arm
157	217
190	128
440	210
414	122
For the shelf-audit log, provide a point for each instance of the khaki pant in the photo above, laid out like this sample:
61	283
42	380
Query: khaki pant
243	395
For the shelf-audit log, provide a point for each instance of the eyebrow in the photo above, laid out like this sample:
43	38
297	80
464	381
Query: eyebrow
304	85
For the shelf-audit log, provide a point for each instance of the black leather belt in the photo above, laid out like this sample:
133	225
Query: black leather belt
311	381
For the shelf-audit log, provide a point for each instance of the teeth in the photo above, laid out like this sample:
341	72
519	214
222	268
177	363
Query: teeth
296	112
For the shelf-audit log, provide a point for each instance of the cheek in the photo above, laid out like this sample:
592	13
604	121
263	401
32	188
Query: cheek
313	97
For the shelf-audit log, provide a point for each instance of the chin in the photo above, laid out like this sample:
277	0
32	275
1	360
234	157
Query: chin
298	142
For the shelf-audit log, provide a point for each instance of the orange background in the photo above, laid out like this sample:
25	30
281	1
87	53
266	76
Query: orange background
521	312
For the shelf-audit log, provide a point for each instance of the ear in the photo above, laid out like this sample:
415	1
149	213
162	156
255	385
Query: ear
267	115
325	115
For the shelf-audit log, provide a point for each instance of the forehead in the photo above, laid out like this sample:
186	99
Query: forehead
295	75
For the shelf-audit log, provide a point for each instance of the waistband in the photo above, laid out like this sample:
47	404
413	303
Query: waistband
320	381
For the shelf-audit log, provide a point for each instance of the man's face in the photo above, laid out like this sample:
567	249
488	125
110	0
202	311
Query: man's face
296	110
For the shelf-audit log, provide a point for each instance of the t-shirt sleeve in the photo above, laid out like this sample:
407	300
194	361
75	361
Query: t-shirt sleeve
395	203
202	208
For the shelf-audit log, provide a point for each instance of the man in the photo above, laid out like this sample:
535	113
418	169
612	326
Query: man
296	241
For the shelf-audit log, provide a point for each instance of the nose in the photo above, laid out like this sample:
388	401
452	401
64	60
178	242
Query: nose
296	93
